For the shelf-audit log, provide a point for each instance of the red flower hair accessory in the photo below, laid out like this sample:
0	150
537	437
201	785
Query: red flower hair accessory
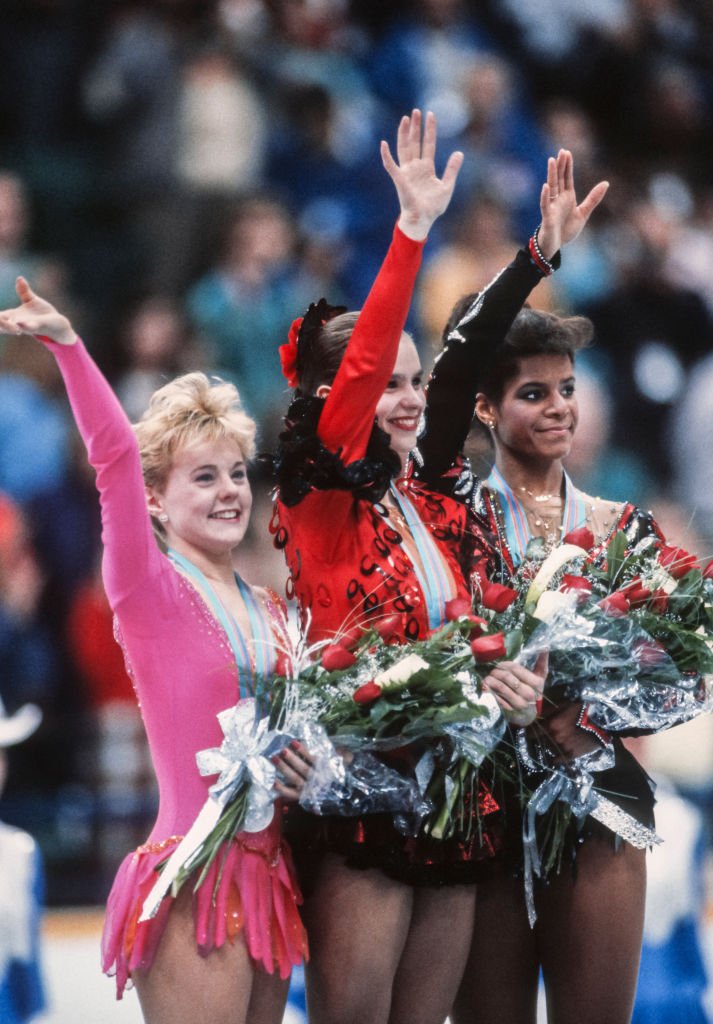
288	353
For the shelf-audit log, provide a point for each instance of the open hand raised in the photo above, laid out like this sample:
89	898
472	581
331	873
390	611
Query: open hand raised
422	194
36	316
562	219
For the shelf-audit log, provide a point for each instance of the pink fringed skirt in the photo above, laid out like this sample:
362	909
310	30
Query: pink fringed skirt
257	895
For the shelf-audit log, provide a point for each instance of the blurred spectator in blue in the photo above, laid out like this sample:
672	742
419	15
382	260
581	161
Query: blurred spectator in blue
335	191
649	330
419	57
587	274
157	344
245	304
26	662
672	977
33	438
324	126
689	261
601	466
131	93
16	256
503	145
22	995
314	42
690	449
641	68
553	33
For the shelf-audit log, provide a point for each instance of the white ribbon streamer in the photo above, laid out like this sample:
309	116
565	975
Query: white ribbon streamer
242	759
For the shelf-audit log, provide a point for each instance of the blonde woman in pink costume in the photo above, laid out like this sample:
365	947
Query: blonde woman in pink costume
196	638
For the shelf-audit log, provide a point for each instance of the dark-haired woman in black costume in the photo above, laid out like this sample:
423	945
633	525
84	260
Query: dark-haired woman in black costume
515	367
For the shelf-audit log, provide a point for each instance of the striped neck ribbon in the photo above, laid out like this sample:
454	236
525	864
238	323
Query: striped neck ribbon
430	568
262	663
517	529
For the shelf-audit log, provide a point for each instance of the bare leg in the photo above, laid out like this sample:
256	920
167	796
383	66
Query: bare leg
587	938
357	922
500	980
183	987
267	998
590	932
435	955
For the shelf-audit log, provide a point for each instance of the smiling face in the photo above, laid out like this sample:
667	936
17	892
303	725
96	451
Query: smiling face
399	409
206	497
536	418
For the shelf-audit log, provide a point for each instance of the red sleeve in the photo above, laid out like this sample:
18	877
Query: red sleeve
348	415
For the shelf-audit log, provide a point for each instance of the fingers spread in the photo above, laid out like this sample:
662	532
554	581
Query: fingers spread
567	170
24	292
552	170
592	201
455	162
387	159
428	149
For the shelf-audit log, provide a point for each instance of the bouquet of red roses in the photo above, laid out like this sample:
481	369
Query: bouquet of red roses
374	696
629	630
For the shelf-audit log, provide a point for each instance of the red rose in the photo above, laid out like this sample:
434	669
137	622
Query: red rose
477	625
488	648
349	637
615	604
676	561
708	571
288	354
658	602
636	593
389	628
650	653
638	596
336	657
497	598
578	583
457	608
582	537
367	693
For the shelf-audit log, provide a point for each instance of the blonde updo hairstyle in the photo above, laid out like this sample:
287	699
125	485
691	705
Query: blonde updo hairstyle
190	410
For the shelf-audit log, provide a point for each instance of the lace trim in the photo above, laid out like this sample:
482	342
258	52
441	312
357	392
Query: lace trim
303	464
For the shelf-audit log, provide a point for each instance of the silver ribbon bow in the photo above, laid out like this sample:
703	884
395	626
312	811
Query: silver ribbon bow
573	784
243	757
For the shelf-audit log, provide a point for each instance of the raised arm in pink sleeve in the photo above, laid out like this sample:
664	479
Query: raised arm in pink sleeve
348	415
131	554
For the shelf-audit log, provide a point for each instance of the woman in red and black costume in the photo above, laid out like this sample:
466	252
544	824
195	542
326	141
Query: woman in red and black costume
366	544
515	368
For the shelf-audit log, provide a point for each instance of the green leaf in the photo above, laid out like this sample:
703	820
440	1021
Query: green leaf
616	554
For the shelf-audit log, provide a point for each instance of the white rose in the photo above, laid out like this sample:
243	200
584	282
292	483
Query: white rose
554	561
551	602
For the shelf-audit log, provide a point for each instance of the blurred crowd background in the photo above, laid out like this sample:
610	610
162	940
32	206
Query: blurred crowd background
184	176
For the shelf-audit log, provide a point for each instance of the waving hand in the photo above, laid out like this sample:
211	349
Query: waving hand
423	196
562	219
36	316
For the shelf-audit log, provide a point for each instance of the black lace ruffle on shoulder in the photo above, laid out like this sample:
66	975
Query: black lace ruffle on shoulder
303	464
